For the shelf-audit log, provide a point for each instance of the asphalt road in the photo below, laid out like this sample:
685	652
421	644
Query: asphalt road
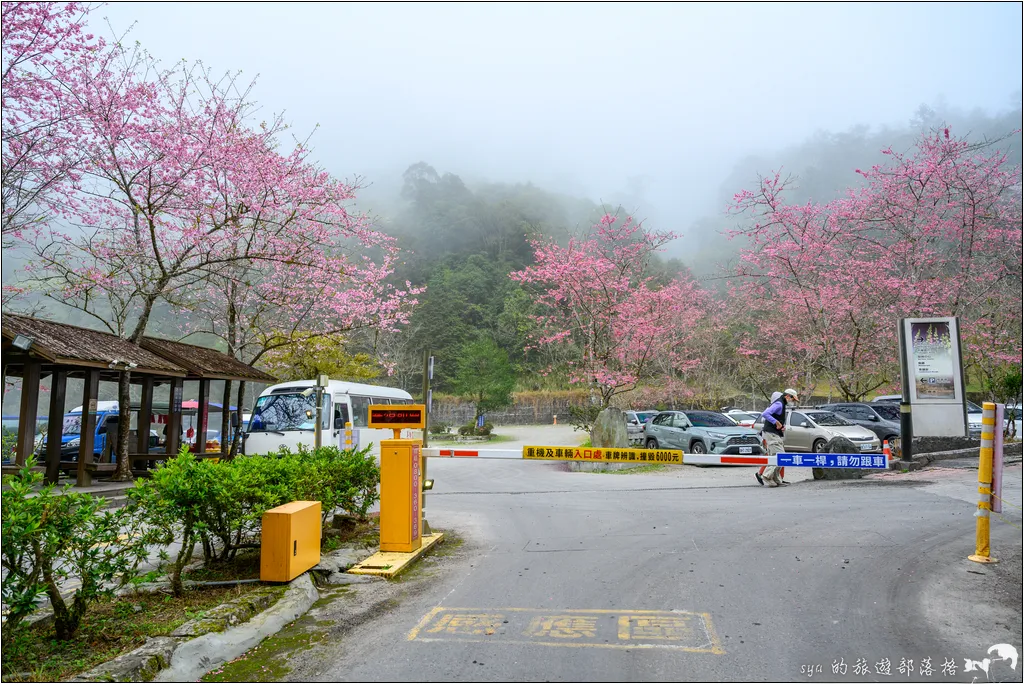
686	574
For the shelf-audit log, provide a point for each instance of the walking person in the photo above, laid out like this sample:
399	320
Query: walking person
772	434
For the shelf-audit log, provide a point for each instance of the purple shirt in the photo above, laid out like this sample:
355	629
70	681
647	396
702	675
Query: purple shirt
775	412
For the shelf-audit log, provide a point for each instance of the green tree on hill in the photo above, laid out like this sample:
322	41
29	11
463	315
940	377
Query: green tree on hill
485	375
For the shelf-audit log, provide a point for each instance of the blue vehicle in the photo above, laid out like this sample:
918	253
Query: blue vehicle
106	421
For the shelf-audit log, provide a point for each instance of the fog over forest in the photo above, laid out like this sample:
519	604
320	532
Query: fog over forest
665	109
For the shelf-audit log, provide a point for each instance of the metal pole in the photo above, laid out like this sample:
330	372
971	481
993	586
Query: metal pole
981	532
426	390
319	417
906	418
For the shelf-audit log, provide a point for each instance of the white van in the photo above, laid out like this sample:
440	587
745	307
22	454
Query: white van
284	415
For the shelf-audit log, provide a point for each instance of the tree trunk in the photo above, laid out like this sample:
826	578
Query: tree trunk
236	444
123	473
227	435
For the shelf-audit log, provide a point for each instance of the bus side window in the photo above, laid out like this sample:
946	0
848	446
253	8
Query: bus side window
360	411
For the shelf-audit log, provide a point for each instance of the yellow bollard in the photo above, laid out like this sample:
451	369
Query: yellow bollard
981	535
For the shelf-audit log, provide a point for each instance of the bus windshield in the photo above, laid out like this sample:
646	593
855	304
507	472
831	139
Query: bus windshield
284	412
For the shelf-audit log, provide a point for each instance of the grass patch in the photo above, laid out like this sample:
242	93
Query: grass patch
448	546
451	441
245	565
361	533
109	629
649	468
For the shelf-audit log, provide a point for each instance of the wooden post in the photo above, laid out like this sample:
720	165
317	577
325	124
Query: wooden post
145	418
202	415
85	447
27	416
173	429
55	430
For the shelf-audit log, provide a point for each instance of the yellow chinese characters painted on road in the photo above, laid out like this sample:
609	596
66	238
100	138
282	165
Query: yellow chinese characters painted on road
663	629
564	453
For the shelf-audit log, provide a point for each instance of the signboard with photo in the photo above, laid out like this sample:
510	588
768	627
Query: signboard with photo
934	381
934	370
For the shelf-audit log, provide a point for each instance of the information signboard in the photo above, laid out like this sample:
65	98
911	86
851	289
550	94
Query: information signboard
933	365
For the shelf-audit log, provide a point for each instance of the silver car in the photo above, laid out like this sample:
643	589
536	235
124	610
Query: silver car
809	430
634	428
700	432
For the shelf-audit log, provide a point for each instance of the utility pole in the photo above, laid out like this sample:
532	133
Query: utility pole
428	375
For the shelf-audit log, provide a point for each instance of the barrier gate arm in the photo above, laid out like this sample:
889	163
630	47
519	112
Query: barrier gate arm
785	459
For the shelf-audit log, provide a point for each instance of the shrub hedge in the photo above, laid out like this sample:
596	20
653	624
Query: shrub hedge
50	537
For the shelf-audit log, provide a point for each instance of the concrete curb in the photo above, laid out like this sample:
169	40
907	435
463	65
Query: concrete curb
1011	452
194	658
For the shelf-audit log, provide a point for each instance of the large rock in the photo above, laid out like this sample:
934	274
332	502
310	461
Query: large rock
839	445
608	432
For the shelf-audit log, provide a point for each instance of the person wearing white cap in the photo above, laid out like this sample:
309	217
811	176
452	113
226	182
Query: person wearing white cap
772	433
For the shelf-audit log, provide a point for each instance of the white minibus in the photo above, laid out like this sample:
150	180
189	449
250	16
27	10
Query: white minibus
284	415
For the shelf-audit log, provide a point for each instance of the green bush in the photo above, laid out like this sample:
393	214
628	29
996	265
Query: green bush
178	499
344	479
471	430
440	428
54	537
221	505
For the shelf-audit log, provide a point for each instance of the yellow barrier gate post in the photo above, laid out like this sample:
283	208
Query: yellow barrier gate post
981	540
401	478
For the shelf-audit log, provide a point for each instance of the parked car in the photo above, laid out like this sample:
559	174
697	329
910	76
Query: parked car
882	418
973	412
1012	416
646	415
809	430
700	432
742	418
634	427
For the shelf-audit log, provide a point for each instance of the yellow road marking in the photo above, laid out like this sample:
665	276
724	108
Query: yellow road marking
673	630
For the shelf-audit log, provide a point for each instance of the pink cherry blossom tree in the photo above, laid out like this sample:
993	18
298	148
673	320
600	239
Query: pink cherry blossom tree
599	300
41	43
935	231
179	193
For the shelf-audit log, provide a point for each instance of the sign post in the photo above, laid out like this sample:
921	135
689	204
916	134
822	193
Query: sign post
402	470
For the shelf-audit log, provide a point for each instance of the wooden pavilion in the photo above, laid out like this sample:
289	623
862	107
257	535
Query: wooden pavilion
34	348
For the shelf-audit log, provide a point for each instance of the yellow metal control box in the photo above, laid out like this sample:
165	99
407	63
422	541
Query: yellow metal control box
290	541
401	487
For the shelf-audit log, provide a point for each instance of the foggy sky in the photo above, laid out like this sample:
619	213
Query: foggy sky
589	99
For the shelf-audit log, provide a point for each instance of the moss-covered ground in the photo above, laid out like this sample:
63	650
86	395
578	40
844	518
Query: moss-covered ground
109	629
268	662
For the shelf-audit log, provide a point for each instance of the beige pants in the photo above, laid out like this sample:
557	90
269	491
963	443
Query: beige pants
775	445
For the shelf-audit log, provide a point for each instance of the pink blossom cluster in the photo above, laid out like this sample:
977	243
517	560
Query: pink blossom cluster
164	185
599	300
933	232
